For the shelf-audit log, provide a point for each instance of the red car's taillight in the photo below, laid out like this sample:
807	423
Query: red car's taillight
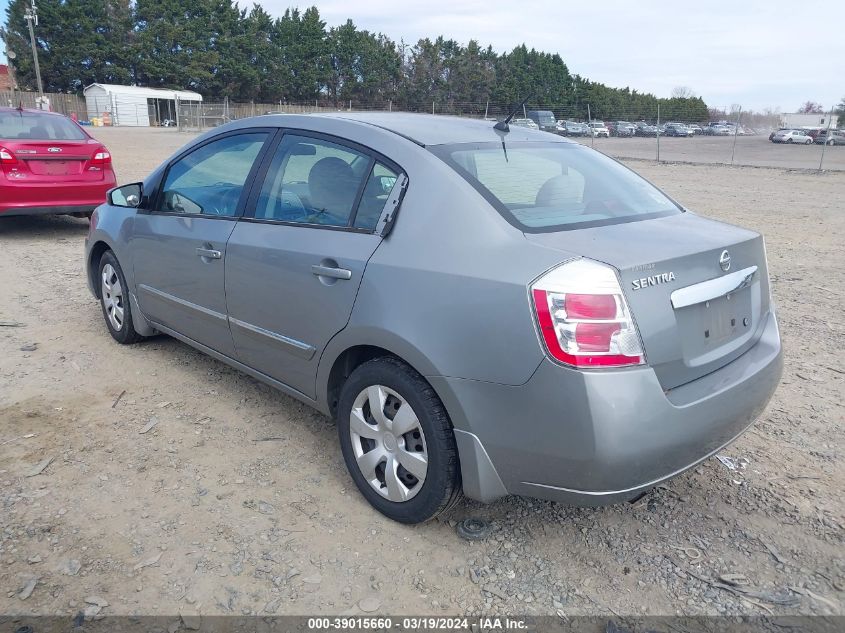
101	157
6	157
583	317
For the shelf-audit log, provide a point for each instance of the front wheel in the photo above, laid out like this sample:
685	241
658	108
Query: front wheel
114	300
397	442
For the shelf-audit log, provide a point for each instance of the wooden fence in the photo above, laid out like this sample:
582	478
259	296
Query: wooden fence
59	102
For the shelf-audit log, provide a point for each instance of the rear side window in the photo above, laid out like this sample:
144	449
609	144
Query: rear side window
313	181
545	187
379	185
33	126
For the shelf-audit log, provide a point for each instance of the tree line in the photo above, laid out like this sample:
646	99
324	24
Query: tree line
222	51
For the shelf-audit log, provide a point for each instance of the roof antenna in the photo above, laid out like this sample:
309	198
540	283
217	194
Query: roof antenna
503	126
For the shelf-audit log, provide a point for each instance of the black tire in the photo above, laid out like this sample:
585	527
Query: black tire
441	489
125	334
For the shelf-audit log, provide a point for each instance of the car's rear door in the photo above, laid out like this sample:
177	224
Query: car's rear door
179	244
296	258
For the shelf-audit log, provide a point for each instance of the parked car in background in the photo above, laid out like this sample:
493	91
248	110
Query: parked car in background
624	128
598	128
780	129
582	129
677	129
645	129
49	164
573	128
641	338
696	129
720	130
544	119
525	123
833	137
792	136
814	133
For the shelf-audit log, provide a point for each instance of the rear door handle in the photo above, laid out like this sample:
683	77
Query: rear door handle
334	273
209	252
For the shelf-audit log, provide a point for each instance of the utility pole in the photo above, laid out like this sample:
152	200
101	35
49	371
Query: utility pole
736	131
657	133
31	17
826	138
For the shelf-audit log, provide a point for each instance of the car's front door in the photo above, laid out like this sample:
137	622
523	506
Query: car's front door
179	244
296	259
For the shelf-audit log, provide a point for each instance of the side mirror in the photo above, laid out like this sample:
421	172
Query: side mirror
126	196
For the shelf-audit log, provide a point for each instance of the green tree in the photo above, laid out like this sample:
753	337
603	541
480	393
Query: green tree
301	38
221	50
175	44
839	111
100	50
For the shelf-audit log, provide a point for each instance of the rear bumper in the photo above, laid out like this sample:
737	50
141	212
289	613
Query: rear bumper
593	438
44	198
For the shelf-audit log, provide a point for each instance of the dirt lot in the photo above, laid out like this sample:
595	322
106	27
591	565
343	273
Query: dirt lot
755	151
237	500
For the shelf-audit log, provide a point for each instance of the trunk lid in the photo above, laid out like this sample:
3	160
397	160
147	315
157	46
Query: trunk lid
714	320
52	161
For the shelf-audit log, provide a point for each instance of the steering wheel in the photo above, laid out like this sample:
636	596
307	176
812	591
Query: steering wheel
225	203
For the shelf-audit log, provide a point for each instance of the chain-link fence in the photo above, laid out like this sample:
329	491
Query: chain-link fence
734	137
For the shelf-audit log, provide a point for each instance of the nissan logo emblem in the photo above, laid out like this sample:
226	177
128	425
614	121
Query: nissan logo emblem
725	261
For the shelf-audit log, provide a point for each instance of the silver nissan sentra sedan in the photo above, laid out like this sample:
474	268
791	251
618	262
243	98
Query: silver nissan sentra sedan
484	310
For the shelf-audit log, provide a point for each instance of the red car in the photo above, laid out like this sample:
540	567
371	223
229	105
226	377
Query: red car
49	164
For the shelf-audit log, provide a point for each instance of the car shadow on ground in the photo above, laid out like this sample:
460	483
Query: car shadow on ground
317	434
29	226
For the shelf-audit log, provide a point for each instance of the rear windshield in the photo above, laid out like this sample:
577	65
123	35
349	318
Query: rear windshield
33	126
546	187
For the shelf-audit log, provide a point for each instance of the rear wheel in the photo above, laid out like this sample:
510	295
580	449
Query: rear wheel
808	141
114	300
789	140
397	442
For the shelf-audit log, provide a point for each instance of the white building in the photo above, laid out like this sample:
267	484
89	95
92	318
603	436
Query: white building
135	106
800	120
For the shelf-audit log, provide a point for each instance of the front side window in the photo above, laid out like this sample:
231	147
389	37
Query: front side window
544	187
313	181
211	179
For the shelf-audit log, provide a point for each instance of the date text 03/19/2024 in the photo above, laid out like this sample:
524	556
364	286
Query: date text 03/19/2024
375	623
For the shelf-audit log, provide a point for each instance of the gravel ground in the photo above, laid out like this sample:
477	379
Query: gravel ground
154	480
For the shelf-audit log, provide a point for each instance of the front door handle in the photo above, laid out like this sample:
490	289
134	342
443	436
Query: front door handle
209	252
334	273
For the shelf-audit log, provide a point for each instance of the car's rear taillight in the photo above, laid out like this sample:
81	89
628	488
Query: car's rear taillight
583	317
6	157
101	157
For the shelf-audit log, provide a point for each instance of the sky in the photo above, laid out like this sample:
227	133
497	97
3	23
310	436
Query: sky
754	53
